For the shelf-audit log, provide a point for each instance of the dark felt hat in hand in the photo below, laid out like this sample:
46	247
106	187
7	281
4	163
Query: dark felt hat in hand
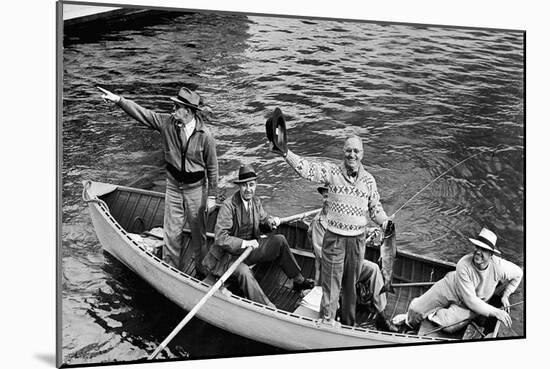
275	129
246	174
322	189
188	98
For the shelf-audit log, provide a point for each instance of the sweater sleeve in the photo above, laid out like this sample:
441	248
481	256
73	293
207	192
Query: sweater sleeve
376	211
211	163
310	170
467	291
224	225
144	116
510	274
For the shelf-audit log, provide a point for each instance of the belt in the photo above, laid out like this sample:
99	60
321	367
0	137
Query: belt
184	177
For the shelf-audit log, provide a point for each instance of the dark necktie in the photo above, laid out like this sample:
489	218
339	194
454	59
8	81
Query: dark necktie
352	173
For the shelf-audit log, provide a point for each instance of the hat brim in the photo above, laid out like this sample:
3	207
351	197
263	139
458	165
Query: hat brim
484	246
179	102
239	181
322	189
275	129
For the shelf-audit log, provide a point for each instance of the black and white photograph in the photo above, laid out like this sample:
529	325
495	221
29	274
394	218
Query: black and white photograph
284	184
237	184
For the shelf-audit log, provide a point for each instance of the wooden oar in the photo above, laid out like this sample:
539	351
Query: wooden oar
197	307
413	284
495	331
299	216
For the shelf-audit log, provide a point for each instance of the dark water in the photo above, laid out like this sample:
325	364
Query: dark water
422	99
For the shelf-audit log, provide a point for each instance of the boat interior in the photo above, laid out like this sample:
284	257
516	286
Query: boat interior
139	211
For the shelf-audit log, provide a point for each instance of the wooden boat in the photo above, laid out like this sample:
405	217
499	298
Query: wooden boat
117	212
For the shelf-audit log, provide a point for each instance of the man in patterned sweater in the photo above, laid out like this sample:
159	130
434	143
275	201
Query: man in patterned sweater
352	195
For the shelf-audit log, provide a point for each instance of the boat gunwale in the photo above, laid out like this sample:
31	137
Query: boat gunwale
407	254
242	302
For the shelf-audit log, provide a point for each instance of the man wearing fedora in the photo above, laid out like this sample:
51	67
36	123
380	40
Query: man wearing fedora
462	294
192	170
316	232
352	197
241	219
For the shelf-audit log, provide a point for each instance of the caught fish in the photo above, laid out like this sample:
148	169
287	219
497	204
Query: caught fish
388	250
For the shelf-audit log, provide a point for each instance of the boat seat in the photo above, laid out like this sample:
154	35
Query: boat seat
310	305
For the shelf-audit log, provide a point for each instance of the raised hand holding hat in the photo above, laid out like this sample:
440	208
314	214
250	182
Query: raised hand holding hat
275	129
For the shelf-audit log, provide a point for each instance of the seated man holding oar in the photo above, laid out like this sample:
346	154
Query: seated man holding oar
463	294
241	218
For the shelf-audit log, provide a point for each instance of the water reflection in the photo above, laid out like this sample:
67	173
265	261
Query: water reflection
422	99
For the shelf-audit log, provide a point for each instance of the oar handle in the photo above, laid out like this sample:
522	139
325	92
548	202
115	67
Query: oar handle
197	307
299	216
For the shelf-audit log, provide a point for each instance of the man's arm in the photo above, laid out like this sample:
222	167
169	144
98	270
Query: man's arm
310	170
267	222
144	116
376	211
211	161
511	275
466	290
223	229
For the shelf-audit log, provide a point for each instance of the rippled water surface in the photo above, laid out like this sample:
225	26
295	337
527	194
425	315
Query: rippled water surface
422	99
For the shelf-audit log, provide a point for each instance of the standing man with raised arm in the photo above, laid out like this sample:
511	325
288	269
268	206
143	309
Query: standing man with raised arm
352	196
192	170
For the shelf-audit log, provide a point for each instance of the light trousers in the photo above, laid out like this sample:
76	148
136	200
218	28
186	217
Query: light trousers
184	205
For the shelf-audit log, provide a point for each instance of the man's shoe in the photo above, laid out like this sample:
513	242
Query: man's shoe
306	284
384	324
327	322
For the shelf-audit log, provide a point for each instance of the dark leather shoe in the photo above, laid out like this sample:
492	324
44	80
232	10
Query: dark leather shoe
307	284
384	324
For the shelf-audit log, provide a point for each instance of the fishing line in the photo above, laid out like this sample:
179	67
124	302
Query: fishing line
442	174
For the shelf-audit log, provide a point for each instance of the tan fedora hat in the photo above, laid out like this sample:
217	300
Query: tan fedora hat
486	240
187	97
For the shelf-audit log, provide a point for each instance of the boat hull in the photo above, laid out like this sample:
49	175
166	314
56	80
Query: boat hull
229	312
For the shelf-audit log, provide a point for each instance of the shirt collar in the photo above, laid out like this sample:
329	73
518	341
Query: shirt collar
245	203
189	127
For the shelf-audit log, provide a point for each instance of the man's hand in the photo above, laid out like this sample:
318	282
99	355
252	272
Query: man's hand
108	95
388	226
250	243
276	150
388	221
210	203
274	222
503	317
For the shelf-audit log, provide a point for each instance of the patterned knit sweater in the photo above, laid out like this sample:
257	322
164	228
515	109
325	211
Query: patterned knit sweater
349	200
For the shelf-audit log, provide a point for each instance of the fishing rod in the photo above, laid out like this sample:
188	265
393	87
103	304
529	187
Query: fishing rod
439	176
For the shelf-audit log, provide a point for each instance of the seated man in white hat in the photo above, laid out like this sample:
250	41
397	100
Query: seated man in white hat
462	295
240	220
